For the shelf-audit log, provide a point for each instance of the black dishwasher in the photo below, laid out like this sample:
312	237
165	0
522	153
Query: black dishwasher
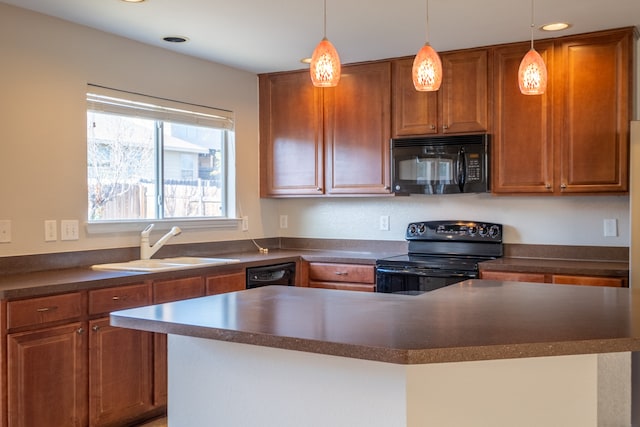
278	274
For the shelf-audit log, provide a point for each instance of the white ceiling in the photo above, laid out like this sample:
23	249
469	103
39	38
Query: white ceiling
273	35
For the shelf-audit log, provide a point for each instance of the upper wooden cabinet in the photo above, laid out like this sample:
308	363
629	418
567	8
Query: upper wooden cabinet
575	137
291	147
460	106
332	141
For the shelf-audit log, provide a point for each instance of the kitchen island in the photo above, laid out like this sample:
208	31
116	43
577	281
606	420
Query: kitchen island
475	353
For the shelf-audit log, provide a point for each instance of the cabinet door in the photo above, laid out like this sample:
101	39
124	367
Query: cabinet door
120	368
47	377
463	93
357	131
291	157
594	112
414	112
523	156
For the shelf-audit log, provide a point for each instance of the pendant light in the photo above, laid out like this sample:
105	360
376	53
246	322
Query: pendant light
325	62
427	67
532	74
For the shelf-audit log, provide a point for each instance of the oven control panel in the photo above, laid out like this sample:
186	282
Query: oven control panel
467	231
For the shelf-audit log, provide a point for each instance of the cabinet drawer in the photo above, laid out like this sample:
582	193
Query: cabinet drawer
223	283
119	298
178	289
37	311
513	276
329	272
616	282
345	286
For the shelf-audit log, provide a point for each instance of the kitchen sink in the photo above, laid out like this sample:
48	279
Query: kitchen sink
165	264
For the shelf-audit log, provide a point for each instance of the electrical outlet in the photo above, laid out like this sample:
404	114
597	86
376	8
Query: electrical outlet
384	222
5	231
69	229
284	221
50	230
245	223
610	228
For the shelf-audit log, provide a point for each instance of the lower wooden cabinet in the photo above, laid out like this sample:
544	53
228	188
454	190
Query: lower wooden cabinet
120	373
555	278
66	366
352	277
46	377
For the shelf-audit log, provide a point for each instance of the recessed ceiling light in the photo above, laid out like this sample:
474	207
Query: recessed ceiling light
133	1
555	26
175	39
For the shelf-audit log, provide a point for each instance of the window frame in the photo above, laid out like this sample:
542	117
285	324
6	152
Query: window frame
107	100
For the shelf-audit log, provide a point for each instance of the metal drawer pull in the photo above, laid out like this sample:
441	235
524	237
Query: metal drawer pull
341	273
118	298
45	309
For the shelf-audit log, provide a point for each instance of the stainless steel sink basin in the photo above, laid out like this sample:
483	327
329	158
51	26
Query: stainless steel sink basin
165	264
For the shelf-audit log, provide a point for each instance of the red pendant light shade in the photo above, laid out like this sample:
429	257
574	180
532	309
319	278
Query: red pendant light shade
427	69
325	65
427	66
532	74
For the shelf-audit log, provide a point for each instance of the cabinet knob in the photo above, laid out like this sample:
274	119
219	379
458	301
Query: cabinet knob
80	331
432	127
318	189
445	126
547	186
95	328
563	186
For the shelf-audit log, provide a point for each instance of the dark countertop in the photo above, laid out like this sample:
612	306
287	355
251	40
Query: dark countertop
472	320
53	281
558	266
49	282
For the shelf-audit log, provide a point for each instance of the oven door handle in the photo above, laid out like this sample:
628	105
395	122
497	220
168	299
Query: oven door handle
424	272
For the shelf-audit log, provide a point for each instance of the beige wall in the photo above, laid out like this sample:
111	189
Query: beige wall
45	66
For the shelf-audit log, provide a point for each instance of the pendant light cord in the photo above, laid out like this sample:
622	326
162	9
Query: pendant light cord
324	24
532	23
427	26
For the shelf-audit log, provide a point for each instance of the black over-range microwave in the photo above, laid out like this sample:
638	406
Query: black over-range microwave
440	164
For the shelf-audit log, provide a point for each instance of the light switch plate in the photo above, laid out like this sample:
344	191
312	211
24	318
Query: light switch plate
610	228
284	221
50	230
69	229
384	222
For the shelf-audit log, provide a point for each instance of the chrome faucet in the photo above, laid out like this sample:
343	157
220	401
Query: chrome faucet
146	250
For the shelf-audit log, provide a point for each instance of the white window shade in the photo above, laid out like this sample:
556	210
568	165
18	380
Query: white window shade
113	101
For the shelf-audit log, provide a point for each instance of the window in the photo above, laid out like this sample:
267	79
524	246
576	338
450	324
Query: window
154	159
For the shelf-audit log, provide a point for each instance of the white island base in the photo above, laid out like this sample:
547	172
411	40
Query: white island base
217	383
